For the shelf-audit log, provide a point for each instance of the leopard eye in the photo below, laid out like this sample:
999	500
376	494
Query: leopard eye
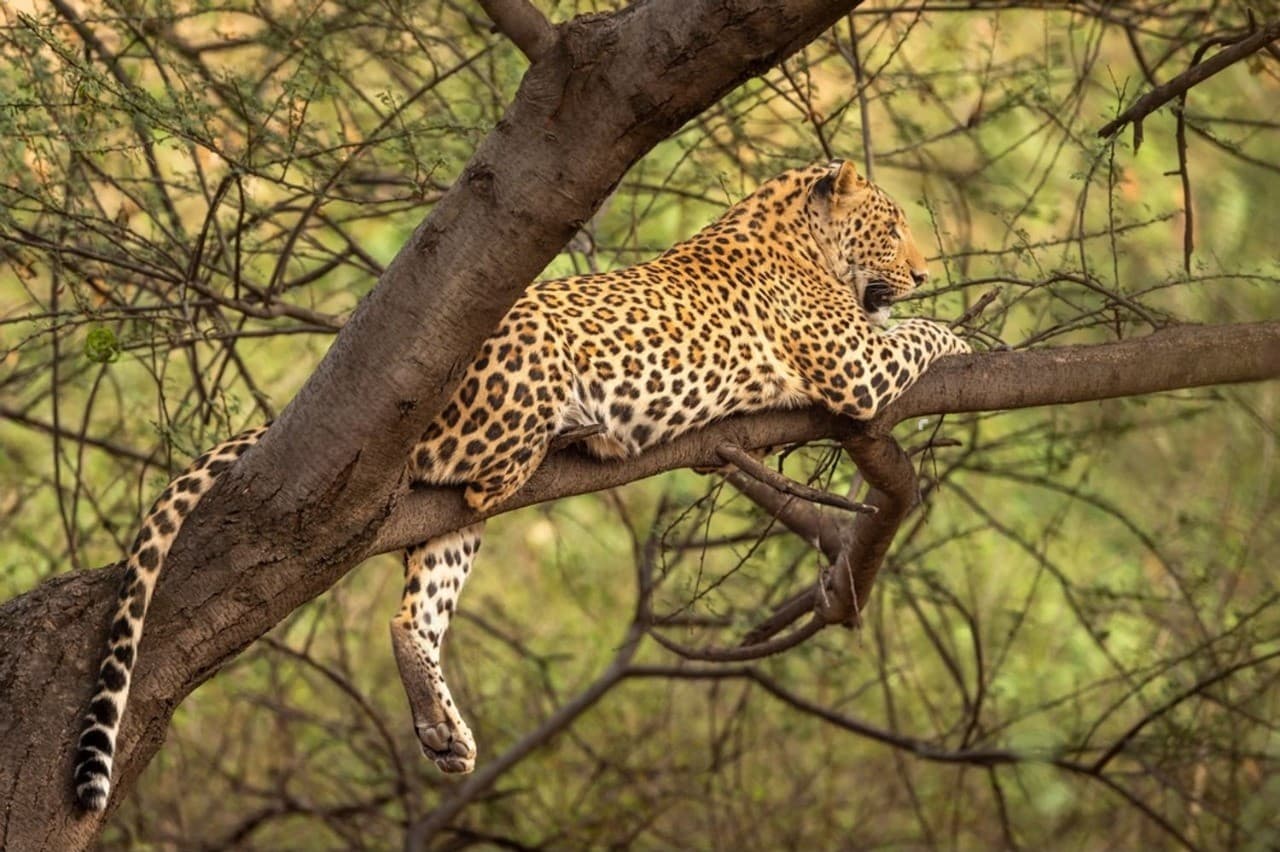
897	231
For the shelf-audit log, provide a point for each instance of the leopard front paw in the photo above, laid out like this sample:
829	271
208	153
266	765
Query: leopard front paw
937	338
958	345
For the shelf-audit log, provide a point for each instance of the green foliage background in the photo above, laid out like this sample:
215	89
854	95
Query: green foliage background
181	239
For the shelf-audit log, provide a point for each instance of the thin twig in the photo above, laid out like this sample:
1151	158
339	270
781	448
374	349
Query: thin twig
1200	686
864	112
977	307
115	449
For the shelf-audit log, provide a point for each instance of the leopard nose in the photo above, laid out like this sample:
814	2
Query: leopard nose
920	276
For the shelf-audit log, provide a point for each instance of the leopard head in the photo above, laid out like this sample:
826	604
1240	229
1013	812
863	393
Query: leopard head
864	238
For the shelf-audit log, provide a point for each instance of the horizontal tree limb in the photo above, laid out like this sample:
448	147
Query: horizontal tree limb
1175	358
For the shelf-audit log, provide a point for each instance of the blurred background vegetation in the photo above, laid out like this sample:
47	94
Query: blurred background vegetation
194	194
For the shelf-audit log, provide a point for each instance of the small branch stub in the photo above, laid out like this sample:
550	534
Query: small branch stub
518	20
576	435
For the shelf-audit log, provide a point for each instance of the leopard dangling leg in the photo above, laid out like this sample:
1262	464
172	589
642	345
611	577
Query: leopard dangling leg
434	574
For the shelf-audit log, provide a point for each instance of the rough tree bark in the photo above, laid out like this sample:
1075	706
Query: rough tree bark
597	97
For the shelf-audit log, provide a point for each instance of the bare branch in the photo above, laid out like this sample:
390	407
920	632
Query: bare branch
743	653
976	308
894	493
1177	357
1193	76
748	464
118	450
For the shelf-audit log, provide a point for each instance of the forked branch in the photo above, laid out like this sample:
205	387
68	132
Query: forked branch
855	547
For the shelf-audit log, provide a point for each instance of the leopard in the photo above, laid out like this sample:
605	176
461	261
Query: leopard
783	301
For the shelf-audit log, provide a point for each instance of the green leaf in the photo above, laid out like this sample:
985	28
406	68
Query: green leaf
102	346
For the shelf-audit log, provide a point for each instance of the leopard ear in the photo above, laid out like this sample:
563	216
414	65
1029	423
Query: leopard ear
840	184
847	179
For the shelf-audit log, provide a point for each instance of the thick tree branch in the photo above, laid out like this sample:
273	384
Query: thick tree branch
894	493
519	21
1193	76
1176	358
841	539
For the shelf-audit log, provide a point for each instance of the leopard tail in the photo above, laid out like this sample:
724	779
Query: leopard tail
97	744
